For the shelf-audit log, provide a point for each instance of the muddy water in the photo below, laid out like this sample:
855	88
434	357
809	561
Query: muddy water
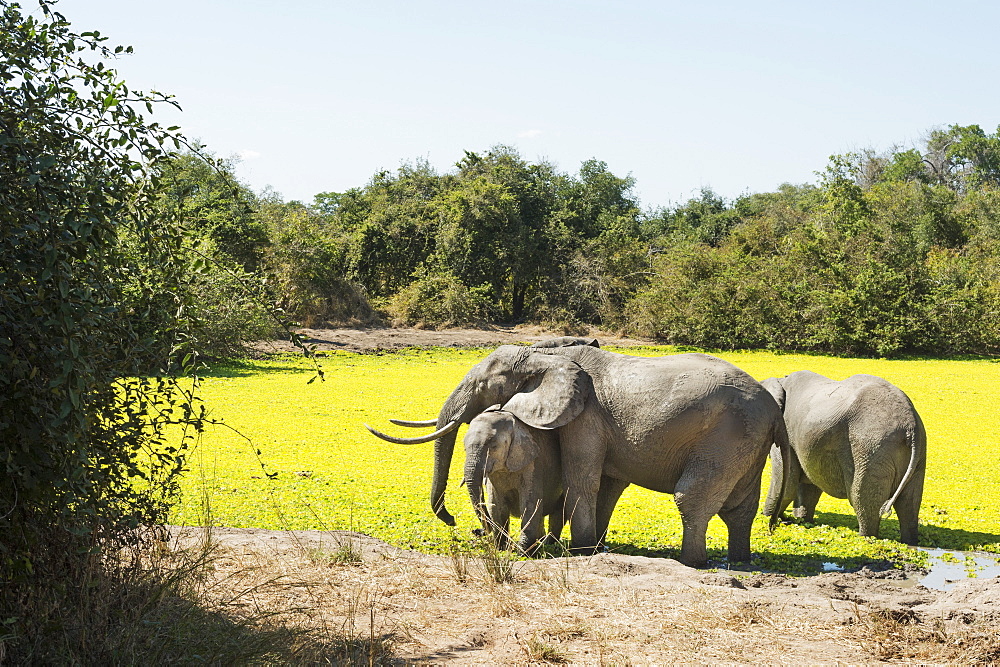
948	567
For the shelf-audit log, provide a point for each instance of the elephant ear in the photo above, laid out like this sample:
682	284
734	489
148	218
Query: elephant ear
522	450
553	393
773	385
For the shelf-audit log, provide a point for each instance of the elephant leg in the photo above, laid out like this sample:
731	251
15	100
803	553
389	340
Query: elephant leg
791	486
805	503
738	514
907	507
555	523
581	504
499	523
582	453
698	498
607	498
694	552
532	521
867	495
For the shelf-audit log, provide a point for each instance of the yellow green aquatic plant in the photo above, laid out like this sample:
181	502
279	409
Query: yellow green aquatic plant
319	468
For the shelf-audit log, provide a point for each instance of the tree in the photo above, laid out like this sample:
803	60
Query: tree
306	261
391	223
977	155
207	197
706	218
503	212
86	388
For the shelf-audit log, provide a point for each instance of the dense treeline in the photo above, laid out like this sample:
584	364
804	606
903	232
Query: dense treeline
888	253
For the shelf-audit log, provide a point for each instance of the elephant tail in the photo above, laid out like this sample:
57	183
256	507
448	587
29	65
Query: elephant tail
781	440
913	436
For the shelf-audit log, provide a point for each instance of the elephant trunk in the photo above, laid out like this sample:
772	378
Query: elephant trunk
475	478
458	409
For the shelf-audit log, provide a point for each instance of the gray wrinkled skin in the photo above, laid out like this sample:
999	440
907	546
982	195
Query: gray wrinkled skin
566	341
691	425
523	478
859	439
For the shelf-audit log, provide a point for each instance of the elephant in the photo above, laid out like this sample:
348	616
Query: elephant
566	341
689	424
859	439
523	477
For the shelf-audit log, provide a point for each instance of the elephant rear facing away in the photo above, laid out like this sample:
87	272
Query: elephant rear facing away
859	439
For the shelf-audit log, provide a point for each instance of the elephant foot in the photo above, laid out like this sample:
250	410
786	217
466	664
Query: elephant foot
585	551
698	564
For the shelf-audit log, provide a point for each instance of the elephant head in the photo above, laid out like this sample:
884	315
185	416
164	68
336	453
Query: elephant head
541	389
495	442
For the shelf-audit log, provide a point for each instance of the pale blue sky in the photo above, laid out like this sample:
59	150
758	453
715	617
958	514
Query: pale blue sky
738	96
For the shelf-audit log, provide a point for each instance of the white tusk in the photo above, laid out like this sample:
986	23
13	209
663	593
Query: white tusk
447	428
403	422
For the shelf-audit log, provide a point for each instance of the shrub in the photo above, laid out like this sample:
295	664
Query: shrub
306	263
92	339
439	300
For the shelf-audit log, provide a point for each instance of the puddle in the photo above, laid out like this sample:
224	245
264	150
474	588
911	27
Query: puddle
948	567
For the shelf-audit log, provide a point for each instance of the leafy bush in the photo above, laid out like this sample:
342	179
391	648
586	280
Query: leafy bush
306	262
439	300
92	338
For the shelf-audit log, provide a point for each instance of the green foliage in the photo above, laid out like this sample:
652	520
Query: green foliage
906	166
518	234
202	192
332	474
391	226
90	335
858	266
439	299
844	266
705	219
306	262
849	266
976	154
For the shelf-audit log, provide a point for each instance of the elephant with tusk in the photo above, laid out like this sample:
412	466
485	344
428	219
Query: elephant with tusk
690	424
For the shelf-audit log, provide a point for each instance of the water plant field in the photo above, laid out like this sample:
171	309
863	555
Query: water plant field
319	468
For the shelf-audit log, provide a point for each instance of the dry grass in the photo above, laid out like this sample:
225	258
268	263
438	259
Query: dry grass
418	608
149	603
355	601
900	636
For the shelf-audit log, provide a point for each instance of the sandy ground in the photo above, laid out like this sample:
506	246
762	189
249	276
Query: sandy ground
402	607
374	339
408	607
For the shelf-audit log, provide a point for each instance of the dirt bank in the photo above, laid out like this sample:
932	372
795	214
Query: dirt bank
374	339
605	609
